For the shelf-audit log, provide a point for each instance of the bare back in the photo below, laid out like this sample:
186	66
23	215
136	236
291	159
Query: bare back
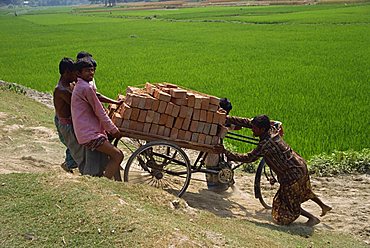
62	101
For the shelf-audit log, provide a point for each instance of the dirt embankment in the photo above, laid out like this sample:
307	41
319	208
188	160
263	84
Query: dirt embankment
35	149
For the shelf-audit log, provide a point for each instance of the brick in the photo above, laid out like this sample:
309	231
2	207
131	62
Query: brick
205	103
222	132
196	114
131	89
134	114
174	133
183	111
149	116
215	140
200	127
161	130
191	100
213	130
149	88
162	106
203	115
214	100
188	135
148	102
155	104
133	125
125	111
139	126
201	138
167	132
166	90
169	122
221	117
169	108
194	137
181	135
213	108
175	110
209	116
117	119
142	115
156	117
208	140
153	129
132	100
180	101
193	126
161	95
142	101
207	128
146	128
126	124
189	113
178	93
163	119
168	85
198	102
186	124
178	123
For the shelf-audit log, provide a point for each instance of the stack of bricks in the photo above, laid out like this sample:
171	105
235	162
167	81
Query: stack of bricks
168	111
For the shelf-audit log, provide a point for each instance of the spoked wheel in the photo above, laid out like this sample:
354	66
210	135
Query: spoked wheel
160	164
264	190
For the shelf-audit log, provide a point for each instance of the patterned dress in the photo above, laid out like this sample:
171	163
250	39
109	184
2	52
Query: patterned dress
290	168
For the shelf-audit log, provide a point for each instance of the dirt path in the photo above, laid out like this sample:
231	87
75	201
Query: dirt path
36	149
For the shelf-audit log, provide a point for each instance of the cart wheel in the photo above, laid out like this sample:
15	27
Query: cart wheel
263	189
127	146
160	164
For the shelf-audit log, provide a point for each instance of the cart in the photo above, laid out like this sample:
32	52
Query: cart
163	163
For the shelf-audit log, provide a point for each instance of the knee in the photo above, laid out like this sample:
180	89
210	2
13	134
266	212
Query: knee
118	155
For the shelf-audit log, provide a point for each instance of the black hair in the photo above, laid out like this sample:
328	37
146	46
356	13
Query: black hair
66	64
262	121
225	104
87	55
83	63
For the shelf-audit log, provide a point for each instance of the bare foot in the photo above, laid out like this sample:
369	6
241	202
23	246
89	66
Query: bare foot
312	221
325	209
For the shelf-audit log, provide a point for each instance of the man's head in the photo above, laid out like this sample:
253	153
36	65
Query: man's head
84	54
260	124
225	104
67	69
85	69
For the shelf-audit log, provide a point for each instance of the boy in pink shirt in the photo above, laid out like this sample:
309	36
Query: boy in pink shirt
90	121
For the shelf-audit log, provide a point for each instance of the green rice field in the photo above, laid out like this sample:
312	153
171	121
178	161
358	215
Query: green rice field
307	66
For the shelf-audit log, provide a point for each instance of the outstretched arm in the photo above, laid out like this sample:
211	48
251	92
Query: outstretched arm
238	121
105	99
246	158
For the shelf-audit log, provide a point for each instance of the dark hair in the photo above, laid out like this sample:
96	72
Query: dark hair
87	55
83	63
262	121
226	105
66	64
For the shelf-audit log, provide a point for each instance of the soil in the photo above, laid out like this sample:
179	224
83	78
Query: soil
349	195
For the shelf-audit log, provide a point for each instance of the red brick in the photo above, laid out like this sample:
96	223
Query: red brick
149	88
133	125
142	116
201	138
139	126
161	95
169	122
178	122
134	114
193	126
131	89
213	108
142	101
125	111
186	124
178	93
205	103
155	104
207	128
167	132
209	117
179	101
208	140
183	111
191	100
126	124
117	119
194	137
181	135
163	119
196	114
154	129
169	108
162	107
200	127
213	130
221	117
146	128
215	140
174	133
175	110
214	100
189	113
203	115
161	130
149	102
222	132
149	116
156	117
188	135
198	101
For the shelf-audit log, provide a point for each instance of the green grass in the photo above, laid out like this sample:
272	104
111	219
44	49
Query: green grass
47	210
307	66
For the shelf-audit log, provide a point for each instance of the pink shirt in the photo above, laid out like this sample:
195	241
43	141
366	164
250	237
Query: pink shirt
90	120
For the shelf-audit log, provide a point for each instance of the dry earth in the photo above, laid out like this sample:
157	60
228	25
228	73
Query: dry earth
348	195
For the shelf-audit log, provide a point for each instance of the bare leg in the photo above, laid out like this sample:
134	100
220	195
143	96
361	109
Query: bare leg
115	159
324	208
312	220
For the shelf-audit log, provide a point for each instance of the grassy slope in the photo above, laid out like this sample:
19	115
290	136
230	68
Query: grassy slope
52	209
